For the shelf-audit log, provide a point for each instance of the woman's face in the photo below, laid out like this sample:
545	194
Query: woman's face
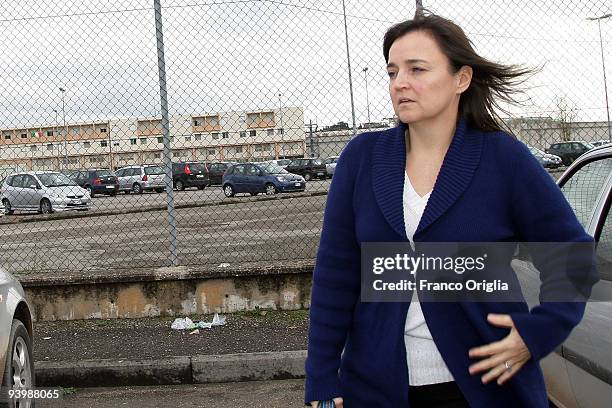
421	84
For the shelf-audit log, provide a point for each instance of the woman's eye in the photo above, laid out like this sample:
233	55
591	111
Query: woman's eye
391	74
417	69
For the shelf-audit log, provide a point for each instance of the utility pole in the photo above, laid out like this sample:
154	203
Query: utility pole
63	91
348	60
365	72
603	65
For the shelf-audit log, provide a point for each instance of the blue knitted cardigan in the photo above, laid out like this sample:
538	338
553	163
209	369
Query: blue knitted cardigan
490	188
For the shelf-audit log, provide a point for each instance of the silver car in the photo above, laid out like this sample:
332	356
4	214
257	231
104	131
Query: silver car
579	373
42	191
16	361
136	179
330	165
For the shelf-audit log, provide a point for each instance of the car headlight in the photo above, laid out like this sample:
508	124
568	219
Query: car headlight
281	179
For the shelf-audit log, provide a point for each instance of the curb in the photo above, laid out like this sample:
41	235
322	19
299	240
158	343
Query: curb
199	369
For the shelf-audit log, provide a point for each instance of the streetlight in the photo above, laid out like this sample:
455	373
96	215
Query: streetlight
282	130
55	125
603	65
63	91
348	61
365	73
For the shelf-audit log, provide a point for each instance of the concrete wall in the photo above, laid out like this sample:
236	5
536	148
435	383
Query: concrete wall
179	293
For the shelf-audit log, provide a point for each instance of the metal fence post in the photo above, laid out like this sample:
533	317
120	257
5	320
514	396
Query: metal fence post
166	133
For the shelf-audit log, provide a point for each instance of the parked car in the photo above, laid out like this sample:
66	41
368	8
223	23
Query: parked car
601	142
330	165
216	171
280	162
547	160
97	181
190	174
16	333
42	191
136	179
579	373
266	178
309	168
569	151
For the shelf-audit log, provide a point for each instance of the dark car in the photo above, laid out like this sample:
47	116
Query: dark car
190	174
308	167
216	171
569	151
267	178
97	181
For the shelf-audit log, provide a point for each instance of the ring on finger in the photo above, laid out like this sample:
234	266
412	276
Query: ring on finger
508	365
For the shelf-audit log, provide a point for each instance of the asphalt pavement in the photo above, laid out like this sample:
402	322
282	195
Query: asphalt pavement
252	394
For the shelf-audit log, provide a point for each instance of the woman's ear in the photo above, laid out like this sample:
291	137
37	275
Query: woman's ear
464	78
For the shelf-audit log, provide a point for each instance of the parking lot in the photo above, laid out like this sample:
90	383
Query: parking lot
244	231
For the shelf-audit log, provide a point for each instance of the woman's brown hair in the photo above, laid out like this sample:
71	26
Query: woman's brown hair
490	81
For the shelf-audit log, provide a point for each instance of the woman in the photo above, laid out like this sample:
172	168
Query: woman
446	173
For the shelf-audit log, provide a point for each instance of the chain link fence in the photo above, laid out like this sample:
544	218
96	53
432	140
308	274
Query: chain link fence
145	104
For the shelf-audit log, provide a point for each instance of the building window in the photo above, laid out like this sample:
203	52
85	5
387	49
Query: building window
157	155
33	148
24	135
253	133
215	135
270	132
50	147
212	152
196	122
259	148
198	136
49	133
281	131
188	138
133	141
7	136
143	140
225	135
160	140
239	149
103	130
243	134
103	143
115	143
86	145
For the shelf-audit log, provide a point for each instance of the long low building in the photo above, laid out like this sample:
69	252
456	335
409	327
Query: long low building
231	136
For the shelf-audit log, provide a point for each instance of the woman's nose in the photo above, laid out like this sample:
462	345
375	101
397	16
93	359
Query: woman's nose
401	81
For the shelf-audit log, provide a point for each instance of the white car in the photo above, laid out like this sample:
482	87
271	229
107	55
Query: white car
42	191
16	360
330	165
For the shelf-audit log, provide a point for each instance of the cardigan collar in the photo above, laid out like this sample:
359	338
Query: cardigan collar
388	169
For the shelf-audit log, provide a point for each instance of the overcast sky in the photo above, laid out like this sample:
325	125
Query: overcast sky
240	55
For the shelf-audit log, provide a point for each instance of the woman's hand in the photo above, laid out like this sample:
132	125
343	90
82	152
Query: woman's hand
505	357
338	401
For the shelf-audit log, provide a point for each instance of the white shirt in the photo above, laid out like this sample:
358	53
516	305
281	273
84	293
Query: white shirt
425	364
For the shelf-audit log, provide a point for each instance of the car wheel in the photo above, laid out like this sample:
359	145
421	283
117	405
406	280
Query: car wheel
179	185
90	190
8	210
113	194
228	190
201	187
19	364
137	188
45	206
270	189
307	176
159	190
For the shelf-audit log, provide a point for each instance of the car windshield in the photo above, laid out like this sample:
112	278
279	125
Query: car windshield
154	170
588	145
55	180
273	168
104	173
317	162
